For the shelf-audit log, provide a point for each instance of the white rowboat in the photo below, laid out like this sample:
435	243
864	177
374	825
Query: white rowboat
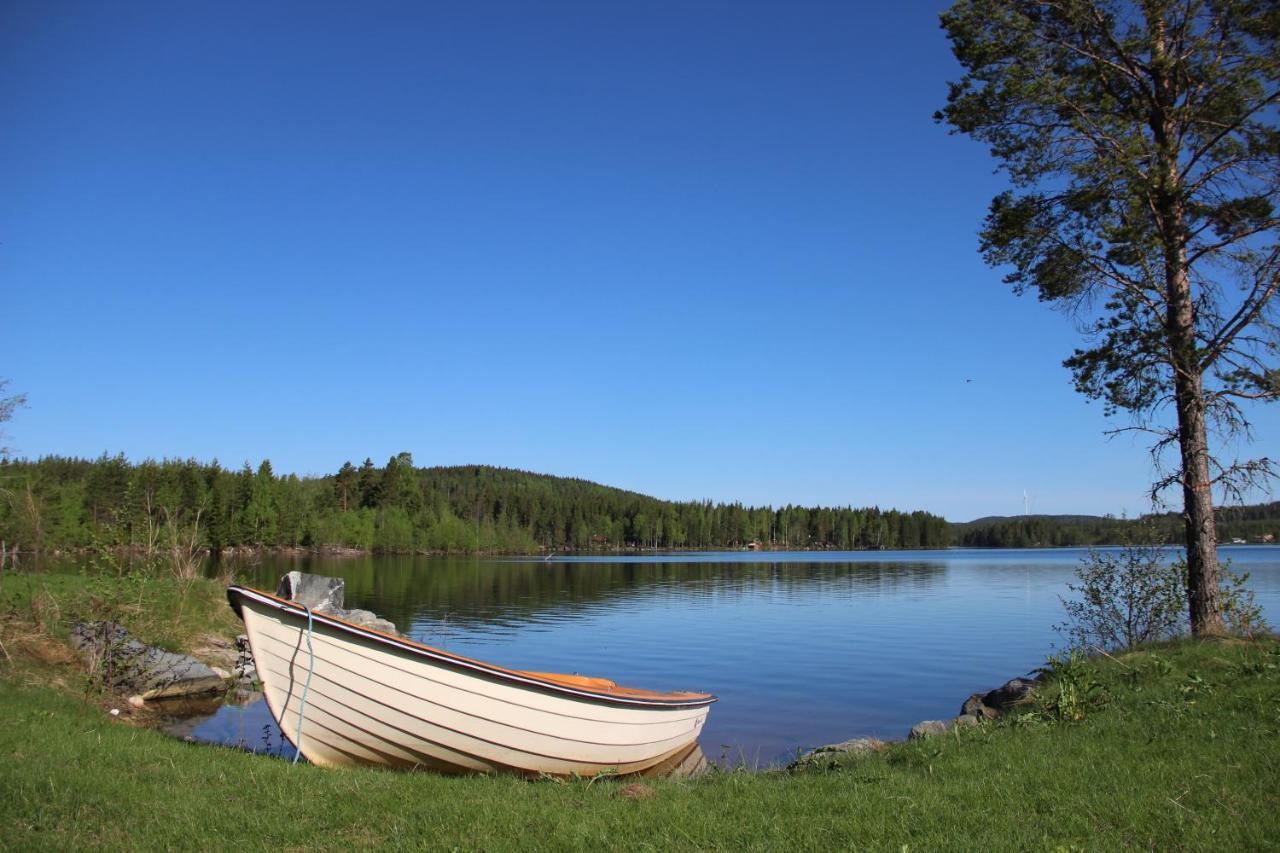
378	699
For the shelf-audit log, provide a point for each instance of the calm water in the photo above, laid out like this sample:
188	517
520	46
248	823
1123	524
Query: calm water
802	648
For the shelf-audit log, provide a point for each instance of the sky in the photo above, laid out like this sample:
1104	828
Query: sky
696	250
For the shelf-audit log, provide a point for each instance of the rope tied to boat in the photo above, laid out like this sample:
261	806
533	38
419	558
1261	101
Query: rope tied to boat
306	687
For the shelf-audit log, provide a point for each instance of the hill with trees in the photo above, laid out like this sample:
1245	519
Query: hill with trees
63	503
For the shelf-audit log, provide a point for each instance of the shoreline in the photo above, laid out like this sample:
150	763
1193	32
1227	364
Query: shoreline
239	552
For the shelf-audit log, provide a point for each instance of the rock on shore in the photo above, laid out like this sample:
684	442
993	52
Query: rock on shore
830	755
977	709
129	666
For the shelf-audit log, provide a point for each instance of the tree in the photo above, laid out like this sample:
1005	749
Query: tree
8	405
370	485
344	485
1141	143
399	486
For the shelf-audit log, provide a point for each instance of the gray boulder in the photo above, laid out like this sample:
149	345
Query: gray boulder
975	707
1012	692
965	720
368	619
929	728
128	666
315	591
325	594
830	755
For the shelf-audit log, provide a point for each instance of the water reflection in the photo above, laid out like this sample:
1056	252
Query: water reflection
240	720
479	593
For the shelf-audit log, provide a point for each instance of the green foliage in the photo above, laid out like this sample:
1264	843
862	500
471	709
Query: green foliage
1125	599
1074	689
1136	596
1256	523
1240	609
401	508
1141	141
8	405
1142	144
156	607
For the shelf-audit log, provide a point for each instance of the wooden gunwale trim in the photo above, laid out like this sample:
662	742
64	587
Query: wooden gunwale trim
632	696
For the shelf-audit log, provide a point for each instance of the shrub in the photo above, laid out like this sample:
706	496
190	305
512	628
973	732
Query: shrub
1138	595
1126	598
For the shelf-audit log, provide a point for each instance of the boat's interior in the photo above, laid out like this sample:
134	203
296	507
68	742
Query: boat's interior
575	680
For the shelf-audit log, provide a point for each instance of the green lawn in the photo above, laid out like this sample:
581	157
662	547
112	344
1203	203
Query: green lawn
1175	748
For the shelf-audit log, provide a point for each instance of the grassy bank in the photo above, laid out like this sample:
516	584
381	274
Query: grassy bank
1173	747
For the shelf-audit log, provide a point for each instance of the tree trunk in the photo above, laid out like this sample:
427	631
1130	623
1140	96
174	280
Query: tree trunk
1203	572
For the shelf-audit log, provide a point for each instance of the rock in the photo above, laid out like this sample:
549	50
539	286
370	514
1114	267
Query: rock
368	619
830	755
315	591
221	673
326	595
975	707
246	672
1012	692
966	720
137	701
126	665
929	728
215	650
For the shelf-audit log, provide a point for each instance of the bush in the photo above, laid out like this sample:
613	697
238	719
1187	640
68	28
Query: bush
1240	610
1138	595
1126	598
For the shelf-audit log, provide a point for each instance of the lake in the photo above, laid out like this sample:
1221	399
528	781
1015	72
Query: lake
802	648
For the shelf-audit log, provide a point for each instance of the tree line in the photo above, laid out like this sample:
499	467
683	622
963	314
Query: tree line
58	502
1256	523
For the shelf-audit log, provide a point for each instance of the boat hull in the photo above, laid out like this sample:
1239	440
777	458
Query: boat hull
374	699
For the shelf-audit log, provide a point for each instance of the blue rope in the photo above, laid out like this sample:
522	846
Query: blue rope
311	667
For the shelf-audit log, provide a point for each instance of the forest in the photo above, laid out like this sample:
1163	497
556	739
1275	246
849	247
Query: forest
1255	523
59	503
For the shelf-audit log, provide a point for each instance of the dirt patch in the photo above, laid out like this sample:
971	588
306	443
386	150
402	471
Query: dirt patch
637	791
45	650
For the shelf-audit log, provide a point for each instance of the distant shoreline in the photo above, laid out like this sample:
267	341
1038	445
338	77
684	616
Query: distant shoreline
239	552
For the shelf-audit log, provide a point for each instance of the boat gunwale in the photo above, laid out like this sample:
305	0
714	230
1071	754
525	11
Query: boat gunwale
457	662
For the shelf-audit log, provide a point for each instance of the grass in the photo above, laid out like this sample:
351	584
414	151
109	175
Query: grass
1173	747
160	609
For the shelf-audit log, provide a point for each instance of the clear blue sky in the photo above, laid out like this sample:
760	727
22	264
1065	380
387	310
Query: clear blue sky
698	250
